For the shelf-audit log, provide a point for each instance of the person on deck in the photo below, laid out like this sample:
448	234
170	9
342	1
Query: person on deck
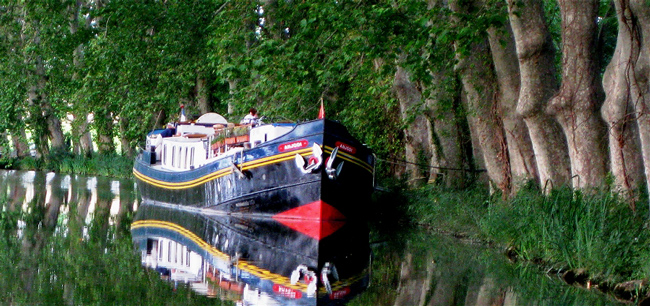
251	118
169	131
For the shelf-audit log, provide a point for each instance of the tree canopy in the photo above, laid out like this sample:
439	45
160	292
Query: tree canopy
528	91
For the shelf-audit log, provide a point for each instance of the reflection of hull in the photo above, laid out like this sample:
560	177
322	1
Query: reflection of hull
266	179
260	254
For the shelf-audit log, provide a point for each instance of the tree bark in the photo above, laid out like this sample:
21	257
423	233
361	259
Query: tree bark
520	149
232	88
46	124
85	141
535	53
620	84
579	99
639	26
127	149
82	140
202	95
479	84
104	123
442	110
418	130
19	140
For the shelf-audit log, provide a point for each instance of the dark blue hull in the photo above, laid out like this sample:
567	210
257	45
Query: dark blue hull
266	180
263	253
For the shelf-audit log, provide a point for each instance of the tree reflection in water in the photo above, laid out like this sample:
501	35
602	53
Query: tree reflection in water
64	242
424	268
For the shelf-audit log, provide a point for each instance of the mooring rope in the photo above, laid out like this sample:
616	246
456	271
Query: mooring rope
403	162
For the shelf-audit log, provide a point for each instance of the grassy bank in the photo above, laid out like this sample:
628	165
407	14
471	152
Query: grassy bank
110	165
592	239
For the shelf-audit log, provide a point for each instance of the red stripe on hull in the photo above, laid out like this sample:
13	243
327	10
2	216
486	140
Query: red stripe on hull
317	219
317	210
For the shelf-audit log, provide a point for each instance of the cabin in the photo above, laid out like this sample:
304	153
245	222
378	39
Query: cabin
189	145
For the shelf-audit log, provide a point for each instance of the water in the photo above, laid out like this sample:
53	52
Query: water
67	240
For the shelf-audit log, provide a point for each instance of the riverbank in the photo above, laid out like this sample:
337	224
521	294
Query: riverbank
597	241
108	165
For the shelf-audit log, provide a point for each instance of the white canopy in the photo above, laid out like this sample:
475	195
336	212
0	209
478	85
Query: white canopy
212	118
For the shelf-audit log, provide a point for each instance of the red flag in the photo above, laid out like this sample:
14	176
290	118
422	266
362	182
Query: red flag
321	112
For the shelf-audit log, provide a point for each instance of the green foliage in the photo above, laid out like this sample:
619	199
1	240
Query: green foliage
131	64
455	211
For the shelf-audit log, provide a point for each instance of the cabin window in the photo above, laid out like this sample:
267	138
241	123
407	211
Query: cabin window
179	162
173	156
169	252
182	253
191	157
187	258
164	158
160	251
185	159
174	253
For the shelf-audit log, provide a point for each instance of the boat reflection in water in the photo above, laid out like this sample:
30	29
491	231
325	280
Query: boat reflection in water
269	261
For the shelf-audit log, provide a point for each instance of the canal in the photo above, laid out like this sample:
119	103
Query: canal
75	240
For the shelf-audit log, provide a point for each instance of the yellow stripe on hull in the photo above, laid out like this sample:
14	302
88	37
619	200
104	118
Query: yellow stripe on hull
242	264
247	166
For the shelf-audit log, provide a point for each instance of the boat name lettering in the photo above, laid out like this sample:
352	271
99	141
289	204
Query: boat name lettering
293	145
287	292
346	147
339	294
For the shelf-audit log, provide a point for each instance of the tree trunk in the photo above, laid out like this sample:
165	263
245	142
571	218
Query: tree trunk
480	87
539	83
104	124
450	161
85	139
620	84
639	79
127	149
50	125
202	95
418	131
37	123
35	120
19	140
232	87
520	149
82	140
577	103
54	126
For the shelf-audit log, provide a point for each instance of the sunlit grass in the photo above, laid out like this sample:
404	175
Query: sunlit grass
110	165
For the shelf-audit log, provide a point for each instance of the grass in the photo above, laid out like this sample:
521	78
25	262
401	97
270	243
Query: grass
566	229
109	165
